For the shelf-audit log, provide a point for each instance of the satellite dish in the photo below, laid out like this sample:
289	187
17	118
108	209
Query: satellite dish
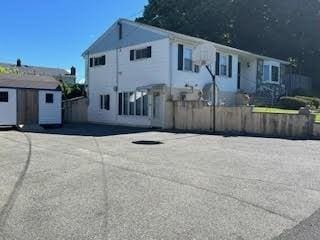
204	55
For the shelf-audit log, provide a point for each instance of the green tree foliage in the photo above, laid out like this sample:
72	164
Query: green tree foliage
72	91
286	29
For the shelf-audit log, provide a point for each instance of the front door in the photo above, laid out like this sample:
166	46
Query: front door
156	110
27	106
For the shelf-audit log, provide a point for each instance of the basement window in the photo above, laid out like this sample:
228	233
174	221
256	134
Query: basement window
49	98
4	97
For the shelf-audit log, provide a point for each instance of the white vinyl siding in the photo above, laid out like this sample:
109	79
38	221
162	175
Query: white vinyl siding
50	113
8	110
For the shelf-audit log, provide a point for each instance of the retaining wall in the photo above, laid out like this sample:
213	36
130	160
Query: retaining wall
196	116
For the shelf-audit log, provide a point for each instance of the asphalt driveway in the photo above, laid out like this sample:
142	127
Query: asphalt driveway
92	182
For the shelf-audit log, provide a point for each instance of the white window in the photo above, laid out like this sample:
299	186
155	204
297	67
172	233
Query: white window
133	103
223	65
266	73
271	72
187	59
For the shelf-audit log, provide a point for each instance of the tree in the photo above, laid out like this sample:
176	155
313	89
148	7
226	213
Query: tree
286	29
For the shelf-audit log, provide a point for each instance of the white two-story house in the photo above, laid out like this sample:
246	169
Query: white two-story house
133	69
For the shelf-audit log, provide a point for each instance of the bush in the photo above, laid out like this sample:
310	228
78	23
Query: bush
292	103
312	101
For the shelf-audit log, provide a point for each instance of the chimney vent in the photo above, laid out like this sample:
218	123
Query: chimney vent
18	62
73	71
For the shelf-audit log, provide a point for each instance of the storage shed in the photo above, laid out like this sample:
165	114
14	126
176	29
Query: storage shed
29	100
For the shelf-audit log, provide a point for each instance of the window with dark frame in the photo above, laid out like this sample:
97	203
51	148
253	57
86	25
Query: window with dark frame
98	61
49	97
105	102
143	53
133	103
4	97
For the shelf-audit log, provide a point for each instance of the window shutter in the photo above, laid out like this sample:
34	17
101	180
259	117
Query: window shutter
180	57
120	104
217	64
230	66
131	55
149	49
101	101
91	62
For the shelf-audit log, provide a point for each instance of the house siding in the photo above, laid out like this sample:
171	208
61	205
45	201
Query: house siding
131	35
8	111
226	86
131	75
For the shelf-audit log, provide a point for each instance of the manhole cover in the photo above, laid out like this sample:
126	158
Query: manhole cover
147	142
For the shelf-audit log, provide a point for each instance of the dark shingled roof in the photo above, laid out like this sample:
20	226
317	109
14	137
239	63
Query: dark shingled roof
28	81
34	70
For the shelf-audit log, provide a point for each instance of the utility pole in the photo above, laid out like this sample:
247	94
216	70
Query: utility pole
213	107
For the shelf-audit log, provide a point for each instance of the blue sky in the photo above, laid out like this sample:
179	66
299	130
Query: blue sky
54	33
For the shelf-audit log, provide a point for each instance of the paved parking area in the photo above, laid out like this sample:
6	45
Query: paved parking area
92	182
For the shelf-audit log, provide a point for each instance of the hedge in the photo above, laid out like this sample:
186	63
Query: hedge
292	103
312	101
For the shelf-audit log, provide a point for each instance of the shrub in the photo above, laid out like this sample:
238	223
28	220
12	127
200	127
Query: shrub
312	101
292	103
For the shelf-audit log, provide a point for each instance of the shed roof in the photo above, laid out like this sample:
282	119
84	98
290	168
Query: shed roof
28	82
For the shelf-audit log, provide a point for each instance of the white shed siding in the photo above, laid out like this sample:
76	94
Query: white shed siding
8	111
50	113
131	75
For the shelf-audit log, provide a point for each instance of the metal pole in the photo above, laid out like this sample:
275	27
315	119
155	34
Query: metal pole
213	107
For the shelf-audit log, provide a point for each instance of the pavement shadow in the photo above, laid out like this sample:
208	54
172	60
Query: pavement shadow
94	130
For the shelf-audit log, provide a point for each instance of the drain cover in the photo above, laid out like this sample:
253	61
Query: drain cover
144	142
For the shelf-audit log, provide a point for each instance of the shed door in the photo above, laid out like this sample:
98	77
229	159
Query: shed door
27	102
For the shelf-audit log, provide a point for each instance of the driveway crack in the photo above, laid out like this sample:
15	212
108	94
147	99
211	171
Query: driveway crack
6	209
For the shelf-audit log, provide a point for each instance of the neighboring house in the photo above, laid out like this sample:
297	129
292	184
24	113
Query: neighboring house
61	75
29	100
133	69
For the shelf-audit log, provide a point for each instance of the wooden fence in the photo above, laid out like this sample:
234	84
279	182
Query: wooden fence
75	110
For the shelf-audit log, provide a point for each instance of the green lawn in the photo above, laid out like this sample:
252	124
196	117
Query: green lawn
274	110
279	110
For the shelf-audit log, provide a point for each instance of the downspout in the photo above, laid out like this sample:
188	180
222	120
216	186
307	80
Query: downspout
87	64
170	83
117	79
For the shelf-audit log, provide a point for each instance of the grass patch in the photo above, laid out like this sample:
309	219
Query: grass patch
317	117
274	110
279	110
